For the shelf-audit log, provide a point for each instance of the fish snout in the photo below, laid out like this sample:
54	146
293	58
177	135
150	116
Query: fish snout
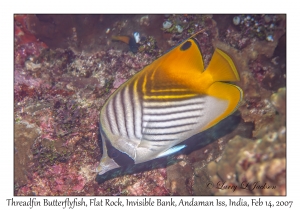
105	165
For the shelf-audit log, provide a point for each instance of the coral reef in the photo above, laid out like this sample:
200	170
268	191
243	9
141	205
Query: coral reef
66	66
259	168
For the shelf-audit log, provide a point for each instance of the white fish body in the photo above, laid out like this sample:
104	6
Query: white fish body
167	102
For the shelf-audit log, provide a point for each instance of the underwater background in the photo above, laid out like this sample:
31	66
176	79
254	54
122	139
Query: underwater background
66	67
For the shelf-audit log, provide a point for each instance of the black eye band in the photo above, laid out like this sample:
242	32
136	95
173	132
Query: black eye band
122	159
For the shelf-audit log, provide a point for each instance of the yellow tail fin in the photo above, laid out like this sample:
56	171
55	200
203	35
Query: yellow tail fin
227	92
222	68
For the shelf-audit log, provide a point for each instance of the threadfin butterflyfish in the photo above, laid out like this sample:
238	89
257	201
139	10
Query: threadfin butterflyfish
164	104
131	41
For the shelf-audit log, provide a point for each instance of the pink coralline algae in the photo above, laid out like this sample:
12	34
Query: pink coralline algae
155	185
26	44
59	180
66	67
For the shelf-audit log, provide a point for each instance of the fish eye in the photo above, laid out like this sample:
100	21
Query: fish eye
186	46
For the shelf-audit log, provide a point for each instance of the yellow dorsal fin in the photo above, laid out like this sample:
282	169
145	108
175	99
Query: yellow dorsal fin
180	66
222	68
186	56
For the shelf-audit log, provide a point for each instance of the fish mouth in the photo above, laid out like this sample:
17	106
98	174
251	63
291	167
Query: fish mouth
105	165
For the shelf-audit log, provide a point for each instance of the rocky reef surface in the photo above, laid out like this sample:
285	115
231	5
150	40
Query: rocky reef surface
66	66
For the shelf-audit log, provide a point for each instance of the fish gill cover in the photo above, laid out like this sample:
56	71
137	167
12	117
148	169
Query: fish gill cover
67	66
